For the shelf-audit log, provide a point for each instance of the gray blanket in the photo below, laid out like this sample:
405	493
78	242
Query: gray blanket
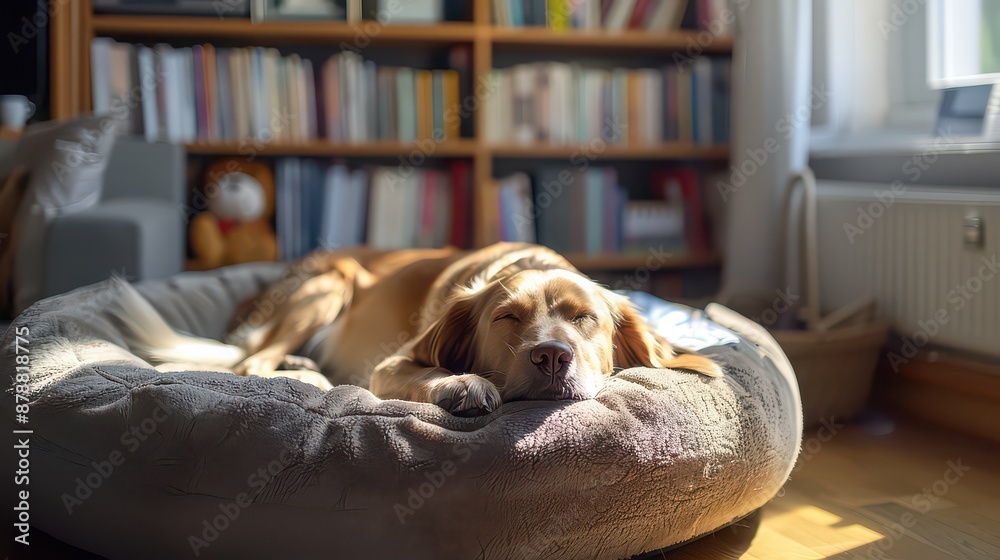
129	462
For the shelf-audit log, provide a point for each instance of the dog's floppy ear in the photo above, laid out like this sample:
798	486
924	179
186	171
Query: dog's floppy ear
636	345
448	341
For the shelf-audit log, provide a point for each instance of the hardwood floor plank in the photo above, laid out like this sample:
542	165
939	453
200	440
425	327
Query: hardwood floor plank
903	490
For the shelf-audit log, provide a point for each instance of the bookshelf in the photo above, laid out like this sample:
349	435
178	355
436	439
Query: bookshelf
449	149
630	262
71	91
279	32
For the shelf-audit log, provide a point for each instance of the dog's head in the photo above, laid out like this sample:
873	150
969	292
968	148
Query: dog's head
549	334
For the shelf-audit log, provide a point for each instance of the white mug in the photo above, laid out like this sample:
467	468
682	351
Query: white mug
15	110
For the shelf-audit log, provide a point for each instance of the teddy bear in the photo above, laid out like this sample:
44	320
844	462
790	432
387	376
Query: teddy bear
236	227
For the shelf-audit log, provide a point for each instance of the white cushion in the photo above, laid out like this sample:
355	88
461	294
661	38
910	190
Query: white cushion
66	161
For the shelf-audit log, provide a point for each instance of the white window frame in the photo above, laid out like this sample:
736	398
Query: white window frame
960	64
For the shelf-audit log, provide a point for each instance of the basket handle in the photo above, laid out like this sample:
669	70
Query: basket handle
808	243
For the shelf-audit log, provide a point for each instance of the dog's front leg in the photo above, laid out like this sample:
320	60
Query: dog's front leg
315	304
399	377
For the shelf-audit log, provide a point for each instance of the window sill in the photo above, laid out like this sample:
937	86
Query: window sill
917	159
883	144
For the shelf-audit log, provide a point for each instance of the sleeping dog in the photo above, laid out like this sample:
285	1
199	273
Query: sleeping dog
466	331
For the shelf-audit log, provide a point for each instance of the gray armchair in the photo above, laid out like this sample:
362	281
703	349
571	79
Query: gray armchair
137	228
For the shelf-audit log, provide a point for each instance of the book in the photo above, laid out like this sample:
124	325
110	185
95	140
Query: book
437	105
516	10
517	220
460	196
357	207
406	105
686	180
553	188
702	94
594	205
335	231
557	15
639	12
100	72
147	84
559	103
424	104
452	109
619	14
667	15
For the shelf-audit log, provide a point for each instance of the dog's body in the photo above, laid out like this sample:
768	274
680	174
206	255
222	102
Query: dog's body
466	331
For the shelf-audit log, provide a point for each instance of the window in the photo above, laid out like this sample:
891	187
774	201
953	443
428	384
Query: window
963	46
886	62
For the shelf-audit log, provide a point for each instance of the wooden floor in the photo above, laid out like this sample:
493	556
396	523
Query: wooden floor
878	489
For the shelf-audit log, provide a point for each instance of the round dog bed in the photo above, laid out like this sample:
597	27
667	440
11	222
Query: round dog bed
130	462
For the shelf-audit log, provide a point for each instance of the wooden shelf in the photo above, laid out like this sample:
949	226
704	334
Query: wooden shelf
453	148
460	148
276	32
603	40
645	260
669	151
334	32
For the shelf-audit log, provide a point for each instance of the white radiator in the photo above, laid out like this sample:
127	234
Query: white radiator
906	247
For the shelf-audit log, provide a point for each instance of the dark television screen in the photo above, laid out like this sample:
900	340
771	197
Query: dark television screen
24	65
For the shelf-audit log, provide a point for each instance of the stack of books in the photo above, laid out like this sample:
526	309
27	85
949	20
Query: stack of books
320	205
363	103
715	16
611	15
560	103
204	94
588	211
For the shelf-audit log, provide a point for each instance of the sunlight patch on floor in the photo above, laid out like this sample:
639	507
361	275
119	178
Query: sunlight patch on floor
806	532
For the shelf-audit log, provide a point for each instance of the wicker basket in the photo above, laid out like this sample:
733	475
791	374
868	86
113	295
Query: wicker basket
835	357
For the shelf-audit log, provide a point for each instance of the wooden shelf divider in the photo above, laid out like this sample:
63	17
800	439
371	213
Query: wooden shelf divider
271	32
666	151
628	261
453	148
334	32
603	40
466	147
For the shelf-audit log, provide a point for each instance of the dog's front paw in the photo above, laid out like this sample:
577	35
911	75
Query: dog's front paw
465	395
261	363
311	377
293	362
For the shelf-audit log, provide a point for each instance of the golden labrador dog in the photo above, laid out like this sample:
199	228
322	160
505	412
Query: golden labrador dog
464	331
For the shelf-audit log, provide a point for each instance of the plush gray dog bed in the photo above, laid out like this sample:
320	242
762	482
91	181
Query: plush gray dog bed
129	462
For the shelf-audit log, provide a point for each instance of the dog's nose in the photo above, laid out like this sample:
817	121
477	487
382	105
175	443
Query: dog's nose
552	357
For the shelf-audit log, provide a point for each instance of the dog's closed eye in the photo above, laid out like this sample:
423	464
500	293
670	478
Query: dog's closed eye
584	317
